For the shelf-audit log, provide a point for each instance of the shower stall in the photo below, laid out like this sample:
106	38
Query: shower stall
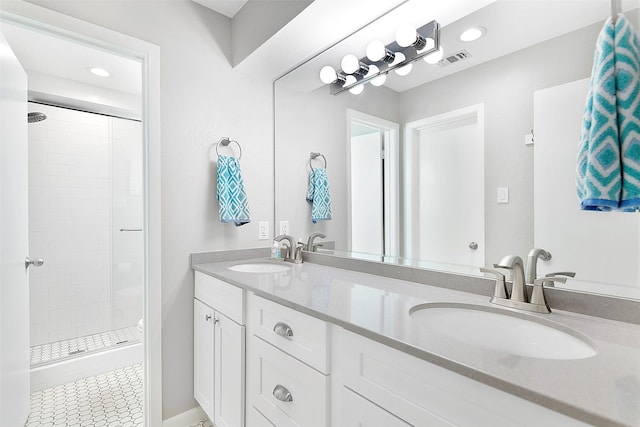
85	221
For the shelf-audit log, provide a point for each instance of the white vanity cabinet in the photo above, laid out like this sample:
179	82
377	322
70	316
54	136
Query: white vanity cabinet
219	350
418	393
288	366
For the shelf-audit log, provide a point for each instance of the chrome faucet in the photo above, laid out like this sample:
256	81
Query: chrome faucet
294	251
531	273
310	246
515	264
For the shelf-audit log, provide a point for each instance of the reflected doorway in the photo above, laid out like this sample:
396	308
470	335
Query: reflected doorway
373	184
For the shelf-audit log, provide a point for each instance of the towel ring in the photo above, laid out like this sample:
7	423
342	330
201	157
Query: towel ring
225	141
313	156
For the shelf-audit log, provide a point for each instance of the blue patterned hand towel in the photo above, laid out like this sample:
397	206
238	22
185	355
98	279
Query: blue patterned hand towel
231	196
609	150
318	195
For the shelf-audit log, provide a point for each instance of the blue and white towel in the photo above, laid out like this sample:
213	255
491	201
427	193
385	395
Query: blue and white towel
230	193
608	170
318	195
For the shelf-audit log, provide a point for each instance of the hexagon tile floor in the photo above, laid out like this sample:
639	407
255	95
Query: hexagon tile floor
113	399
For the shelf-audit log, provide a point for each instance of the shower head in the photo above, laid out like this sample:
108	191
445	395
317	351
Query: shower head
36	117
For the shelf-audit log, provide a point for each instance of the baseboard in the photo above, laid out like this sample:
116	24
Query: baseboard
188	418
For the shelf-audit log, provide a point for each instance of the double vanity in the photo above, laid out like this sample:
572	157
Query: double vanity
283	344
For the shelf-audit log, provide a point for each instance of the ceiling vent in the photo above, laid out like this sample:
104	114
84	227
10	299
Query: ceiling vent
461	55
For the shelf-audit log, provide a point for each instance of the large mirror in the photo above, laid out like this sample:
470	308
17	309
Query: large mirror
460	162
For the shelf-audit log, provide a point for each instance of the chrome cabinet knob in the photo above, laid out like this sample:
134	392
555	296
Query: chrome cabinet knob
281	393
473	246
28	262
283	330
207	317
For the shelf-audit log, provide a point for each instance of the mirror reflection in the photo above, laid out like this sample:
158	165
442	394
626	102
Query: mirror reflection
460	162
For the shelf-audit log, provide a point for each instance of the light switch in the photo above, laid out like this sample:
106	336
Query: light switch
263	230
503	194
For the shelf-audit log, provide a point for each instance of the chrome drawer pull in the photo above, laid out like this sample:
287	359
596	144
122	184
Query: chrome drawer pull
282	394
283	330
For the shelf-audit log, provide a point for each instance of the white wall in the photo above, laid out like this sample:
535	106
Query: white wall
202	99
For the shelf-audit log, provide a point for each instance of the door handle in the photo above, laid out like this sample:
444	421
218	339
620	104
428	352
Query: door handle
28	262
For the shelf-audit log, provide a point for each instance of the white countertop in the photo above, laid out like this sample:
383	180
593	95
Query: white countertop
601	390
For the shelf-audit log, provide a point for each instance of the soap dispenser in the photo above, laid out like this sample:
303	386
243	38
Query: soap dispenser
276	254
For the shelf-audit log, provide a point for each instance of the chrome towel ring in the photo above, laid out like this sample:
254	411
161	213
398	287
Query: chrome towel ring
313	156
225	141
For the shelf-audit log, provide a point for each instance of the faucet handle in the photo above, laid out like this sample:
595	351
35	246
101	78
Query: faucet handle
561	273
500	290
537	295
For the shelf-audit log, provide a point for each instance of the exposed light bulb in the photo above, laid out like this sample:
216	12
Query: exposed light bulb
378	80
435	57
404	70
398	59
349	80
376	51
406	35
328	74
472	34
350	63
357	90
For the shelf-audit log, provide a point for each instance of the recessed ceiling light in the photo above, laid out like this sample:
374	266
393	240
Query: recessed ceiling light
472	34
101	72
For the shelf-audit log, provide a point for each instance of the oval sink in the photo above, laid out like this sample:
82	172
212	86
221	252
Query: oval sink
259	267
503	331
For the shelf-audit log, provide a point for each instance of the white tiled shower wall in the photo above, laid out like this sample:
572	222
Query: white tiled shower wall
71	225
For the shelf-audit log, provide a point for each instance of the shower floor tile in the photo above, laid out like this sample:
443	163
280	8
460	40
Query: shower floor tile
50	352
113	399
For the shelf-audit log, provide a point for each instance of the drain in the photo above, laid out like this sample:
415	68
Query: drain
122	342
71	353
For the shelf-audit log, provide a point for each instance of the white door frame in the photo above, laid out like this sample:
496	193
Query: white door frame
411	191
391	177
41	19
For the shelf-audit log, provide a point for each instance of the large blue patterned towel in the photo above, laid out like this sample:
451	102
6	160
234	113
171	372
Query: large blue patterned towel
318	195
608	170
230	192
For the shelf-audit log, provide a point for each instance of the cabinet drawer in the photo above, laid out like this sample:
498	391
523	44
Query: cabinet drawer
221	296
424	394
356	411
302	336
256	419
274	372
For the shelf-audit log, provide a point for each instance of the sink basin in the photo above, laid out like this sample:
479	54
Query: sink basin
504	331
260	267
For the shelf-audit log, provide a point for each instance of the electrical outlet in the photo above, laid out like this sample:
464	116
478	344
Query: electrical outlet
284	227
263	230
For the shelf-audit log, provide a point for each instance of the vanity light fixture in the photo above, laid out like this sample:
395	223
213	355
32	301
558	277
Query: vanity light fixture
472	34
435	57
411	44
100	72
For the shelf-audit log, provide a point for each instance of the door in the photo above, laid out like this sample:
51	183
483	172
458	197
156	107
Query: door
203	356
14	236
448	182
229	372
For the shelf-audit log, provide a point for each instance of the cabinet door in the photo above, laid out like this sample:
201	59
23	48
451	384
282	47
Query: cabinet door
203	356
229	372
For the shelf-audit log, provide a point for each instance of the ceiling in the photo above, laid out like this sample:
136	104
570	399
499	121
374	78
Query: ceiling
49	55
228	8
511	25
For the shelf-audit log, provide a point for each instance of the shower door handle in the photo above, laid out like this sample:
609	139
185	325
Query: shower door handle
28	262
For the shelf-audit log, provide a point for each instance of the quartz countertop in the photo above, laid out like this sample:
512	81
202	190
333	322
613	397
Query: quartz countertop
602	390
